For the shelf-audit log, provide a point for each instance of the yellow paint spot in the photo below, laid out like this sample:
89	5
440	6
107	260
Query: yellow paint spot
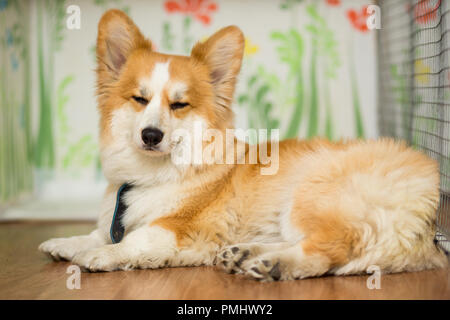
250	47
249	50
420	68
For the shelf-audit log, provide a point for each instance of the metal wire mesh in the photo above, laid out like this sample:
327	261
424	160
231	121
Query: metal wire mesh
414	85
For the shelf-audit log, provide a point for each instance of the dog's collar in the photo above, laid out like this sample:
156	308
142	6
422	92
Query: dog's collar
117	229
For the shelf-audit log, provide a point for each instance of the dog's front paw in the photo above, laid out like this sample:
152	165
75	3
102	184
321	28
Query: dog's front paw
98	259
59	248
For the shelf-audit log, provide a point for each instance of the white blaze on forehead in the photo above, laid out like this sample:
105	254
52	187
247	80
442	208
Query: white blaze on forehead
155	86
159	77
177	91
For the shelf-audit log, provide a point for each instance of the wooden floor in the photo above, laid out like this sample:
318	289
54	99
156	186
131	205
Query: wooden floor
26	273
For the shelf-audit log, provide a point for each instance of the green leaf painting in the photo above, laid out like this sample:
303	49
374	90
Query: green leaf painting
357	107
16	177
290	51
303	95
325	47
50	21
258	104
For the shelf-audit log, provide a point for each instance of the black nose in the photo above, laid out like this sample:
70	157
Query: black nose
152	136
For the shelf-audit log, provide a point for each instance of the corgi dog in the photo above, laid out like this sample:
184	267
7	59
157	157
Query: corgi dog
329	207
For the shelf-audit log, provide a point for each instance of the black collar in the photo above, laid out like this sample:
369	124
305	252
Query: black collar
117	229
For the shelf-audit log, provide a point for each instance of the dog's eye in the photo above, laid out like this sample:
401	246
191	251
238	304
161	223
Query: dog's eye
178	105
140	100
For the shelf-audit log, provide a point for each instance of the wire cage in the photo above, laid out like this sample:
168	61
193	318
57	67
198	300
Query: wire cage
414	85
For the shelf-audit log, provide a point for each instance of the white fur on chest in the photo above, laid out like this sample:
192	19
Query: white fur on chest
146	204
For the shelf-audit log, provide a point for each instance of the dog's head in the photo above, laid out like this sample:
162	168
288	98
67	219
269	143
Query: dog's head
145	96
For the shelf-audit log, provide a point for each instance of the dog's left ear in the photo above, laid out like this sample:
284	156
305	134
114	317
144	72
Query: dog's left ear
222	53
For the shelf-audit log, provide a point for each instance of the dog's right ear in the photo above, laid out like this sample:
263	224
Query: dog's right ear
117	37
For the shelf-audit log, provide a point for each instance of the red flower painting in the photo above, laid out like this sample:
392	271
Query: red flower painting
334	2
199	9
358	19
426	11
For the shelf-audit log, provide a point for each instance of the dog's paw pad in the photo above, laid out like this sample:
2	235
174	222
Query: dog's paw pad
231	258
263	270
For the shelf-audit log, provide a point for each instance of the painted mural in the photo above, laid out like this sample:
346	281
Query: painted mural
16	141
309	70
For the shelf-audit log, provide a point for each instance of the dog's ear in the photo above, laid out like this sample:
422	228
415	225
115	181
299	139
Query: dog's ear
117	37
222	53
